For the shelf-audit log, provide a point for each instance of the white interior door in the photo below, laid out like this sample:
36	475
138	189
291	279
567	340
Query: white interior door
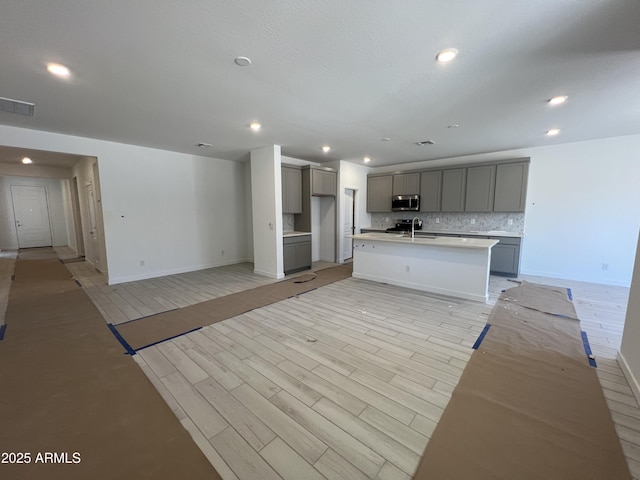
348	227
31	211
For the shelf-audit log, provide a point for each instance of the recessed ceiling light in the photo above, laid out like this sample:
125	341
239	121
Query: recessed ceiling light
27	160
58	70
204	145
326	149
385	139
243	61
453	125
425	142
558	100
447	54
255	126
366	159
553	131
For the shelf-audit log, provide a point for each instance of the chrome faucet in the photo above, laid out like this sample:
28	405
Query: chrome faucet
413	225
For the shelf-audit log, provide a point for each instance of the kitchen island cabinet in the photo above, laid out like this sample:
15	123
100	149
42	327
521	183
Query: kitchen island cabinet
457	267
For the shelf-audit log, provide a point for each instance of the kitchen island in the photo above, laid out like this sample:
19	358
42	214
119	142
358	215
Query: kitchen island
452	266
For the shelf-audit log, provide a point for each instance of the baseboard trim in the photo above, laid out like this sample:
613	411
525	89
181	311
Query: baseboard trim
633	381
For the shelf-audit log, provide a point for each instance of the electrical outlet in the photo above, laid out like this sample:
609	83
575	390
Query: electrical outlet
510	221
437	220
407	269
605	266
473	221
142	263
222	253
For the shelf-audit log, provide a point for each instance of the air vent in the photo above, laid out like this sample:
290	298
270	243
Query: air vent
16	106
425	142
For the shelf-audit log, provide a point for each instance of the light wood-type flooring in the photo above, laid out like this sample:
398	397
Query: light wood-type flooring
344	382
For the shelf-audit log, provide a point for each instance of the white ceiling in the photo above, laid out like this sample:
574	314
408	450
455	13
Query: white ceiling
161	73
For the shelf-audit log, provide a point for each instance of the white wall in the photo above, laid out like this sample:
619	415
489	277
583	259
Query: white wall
629	355
352	176
177	212
57	213
266	194
583	207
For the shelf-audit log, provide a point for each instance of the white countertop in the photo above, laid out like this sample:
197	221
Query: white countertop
435	242
472	233
295	234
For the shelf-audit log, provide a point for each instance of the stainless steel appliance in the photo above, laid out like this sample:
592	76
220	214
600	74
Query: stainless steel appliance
402	203
404	225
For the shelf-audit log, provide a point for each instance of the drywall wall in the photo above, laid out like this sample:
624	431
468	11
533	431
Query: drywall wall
583	207
57	210
629	355
266	195
353	177
176	212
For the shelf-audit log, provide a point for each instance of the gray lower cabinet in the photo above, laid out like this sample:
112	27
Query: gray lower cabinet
379	191
453	189
297	253
505	256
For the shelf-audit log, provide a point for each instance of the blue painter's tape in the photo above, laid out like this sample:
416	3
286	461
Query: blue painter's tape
481	337
121	339
587	349
569	294
166	339
3	328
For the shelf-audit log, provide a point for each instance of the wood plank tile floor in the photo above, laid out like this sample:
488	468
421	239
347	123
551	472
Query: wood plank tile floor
346	381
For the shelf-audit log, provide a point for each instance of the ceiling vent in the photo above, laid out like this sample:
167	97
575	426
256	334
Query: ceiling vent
425	142
16	106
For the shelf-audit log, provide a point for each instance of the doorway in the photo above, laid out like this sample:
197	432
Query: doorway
31	213
77	217
348	225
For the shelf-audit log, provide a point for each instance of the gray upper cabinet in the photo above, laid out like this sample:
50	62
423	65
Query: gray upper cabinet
379	191
480	188
323	182
511	187
453	190
406	184
430	191
291	190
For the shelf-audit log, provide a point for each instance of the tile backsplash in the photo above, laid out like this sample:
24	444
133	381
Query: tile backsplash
288	224
459	222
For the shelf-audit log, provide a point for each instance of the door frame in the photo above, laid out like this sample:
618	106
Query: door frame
354	207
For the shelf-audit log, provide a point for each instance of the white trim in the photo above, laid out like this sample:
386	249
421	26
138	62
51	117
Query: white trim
633	381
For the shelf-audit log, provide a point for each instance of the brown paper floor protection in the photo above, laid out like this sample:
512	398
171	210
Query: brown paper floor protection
149	330
528	405
66	387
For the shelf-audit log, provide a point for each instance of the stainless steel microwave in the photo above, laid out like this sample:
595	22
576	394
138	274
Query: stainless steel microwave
403	203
